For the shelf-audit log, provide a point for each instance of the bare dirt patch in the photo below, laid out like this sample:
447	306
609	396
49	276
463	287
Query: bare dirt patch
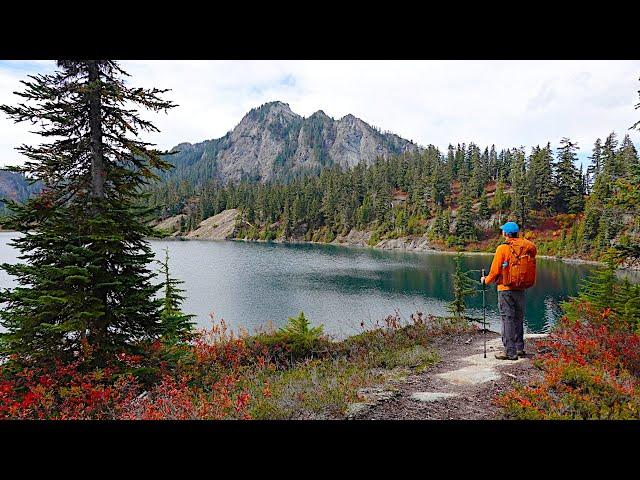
471	401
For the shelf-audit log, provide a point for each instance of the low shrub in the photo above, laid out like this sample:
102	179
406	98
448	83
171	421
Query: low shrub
296	341
591	371
207	382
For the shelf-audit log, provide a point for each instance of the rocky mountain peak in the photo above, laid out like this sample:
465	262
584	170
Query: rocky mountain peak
272	142
348	118
278	107
320	114
267	113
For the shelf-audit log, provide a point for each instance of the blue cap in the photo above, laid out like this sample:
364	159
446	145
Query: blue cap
510	227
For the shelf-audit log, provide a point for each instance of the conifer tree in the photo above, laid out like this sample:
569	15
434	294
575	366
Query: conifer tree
176	326
465	228
598	289
628	158
627	302
437	228
500	200
382	202
287	223
84	289
483	209
568	180
609	158
541	177
446	221
493	165
479	173
629	198
595	166
591	219
520	200
463	286
439	187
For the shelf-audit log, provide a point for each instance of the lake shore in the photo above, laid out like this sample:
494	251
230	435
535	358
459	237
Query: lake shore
225	226
406	246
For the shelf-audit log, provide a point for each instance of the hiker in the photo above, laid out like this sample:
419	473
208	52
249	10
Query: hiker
514	270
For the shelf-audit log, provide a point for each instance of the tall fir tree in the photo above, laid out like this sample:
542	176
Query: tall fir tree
609	158
500	201
598	289
520	197
483	209
540	175
568	179
465	228
628	158
595	166
85	289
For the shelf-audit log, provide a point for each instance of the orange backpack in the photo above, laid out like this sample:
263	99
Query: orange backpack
521	267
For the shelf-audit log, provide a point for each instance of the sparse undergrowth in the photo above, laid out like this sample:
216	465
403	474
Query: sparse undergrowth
324	384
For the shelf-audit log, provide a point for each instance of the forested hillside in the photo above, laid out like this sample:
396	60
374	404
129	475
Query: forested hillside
457	198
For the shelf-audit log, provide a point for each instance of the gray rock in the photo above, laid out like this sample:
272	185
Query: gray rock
431	396
356	408
471	375
218	227
355	238
376	394
170	225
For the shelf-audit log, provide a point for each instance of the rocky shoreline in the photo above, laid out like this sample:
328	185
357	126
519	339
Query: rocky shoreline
409	244
223	227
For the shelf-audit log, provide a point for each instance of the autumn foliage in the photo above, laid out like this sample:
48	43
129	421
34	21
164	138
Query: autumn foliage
591	371
207	382
219	375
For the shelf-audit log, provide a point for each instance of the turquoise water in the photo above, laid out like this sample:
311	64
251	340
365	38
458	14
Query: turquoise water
252	284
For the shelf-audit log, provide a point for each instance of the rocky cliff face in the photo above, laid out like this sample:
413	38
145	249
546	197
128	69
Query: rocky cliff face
14	186
273	143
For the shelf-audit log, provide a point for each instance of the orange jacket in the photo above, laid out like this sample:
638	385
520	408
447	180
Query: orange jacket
501	256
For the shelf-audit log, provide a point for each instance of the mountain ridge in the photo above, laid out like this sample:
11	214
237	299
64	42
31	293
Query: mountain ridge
272	142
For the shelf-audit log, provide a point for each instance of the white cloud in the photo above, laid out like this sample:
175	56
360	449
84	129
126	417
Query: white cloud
509	103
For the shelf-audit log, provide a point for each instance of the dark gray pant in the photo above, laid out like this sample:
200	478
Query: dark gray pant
511	304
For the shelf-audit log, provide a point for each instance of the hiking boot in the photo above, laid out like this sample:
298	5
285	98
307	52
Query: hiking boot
504	356
521	353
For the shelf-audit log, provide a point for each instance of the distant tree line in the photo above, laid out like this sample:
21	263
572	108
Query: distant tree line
443	194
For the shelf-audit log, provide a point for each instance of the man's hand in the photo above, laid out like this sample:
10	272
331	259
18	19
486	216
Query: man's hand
482	279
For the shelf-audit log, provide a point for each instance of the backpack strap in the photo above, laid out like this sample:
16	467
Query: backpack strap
524	252
513	251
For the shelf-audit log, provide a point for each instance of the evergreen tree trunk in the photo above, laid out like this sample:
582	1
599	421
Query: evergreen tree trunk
98	327
95	126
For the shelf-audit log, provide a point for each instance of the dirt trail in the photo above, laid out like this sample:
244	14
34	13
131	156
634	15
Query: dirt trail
461	386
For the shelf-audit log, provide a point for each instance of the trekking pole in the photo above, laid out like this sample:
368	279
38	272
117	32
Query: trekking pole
484	316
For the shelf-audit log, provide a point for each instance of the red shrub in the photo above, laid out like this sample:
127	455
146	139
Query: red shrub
204	383
591	370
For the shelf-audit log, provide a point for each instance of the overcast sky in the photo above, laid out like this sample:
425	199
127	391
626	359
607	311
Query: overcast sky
506	103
